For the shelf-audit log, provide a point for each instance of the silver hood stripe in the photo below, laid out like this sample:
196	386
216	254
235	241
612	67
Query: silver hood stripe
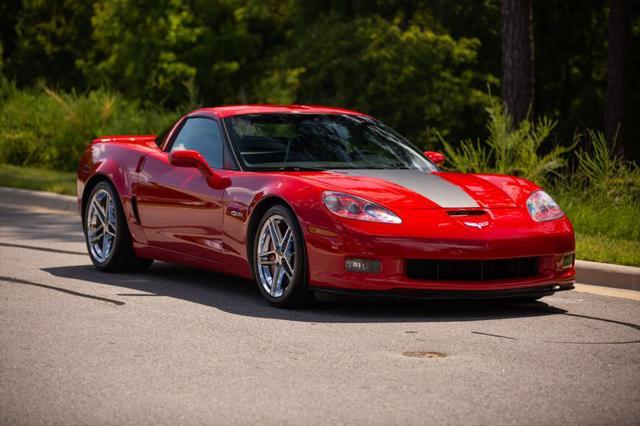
433	187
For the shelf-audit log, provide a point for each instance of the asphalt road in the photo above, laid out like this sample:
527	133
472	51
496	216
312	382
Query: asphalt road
182	346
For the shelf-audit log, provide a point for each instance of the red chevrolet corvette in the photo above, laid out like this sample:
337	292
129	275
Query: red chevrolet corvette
306	199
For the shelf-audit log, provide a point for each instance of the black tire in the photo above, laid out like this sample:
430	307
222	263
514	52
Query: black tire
121	257
296	293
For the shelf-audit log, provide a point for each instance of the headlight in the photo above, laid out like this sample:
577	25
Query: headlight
542	207
352	207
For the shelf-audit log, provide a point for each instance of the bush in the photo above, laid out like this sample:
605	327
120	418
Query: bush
600	194
510	149
605	173
46	128
413	77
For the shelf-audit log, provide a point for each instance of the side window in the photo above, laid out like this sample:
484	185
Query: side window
202	135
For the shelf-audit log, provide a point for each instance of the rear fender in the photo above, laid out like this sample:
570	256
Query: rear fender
118	164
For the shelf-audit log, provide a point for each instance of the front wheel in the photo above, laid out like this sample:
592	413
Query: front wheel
107	234
279	259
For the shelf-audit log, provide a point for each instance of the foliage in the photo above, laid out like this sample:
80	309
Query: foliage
606	173
602	195
154	50
571	63
419	66
372	64
213	52
601	181
48	128
49	36
154	33
513	149
586	214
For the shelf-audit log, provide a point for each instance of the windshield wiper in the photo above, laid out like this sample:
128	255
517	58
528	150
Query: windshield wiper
299	168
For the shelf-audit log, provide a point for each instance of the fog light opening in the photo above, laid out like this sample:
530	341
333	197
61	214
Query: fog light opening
567	260
362	265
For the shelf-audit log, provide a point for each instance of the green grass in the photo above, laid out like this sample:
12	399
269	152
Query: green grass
598	216
38	179
51	129
607	249
605	231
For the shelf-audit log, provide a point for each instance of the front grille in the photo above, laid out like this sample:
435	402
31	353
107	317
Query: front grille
472	270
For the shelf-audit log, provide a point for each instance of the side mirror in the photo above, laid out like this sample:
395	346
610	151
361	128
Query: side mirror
191	158
436	157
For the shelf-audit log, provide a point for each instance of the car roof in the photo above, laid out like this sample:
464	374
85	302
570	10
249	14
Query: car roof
231	110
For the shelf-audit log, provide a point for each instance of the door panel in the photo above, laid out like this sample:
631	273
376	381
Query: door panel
178	209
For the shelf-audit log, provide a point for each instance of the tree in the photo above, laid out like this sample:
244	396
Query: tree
184	51
417	79
139	48
50	36
518	79
570	62
619	40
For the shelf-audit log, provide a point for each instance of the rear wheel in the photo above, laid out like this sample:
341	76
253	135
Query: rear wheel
107	234
279	259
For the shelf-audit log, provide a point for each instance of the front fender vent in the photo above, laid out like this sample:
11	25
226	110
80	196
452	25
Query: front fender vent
134	208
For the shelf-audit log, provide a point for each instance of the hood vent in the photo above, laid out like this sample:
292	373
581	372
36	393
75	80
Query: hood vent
466	212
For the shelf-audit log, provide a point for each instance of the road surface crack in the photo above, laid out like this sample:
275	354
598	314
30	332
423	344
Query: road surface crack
494	335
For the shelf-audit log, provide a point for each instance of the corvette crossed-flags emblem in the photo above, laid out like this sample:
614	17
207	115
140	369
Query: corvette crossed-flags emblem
478	225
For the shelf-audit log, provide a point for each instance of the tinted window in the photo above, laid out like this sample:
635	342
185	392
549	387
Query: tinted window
320	141
202	135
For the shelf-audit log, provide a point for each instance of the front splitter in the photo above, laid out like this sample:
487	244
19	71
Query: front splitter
532	292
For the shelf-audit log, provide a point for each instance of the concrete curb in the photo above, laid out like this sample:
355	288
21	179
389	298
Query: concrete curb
594	273
45	200
608	275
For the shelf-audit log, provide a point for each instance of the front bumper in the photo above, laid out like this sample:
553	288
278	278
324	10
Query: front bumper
549	243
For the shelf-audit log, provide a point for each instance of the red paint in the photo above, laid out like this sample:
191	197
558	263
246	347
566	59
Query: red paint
436	158
228	111
194	215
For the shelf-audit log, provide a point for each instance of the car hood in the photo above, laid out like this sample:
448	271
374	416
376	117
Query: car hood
413	189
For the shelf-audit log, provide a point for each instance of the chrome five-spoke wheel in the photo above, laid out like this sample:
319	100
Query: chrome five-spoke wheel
279	259
276	255
107	234
101	225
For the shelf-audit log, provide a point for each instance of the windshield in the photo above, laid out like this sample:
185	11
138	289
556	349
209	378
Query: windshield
320	142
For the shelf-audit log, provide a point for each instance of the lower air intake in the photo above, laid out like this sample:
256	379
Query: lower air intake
472	270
